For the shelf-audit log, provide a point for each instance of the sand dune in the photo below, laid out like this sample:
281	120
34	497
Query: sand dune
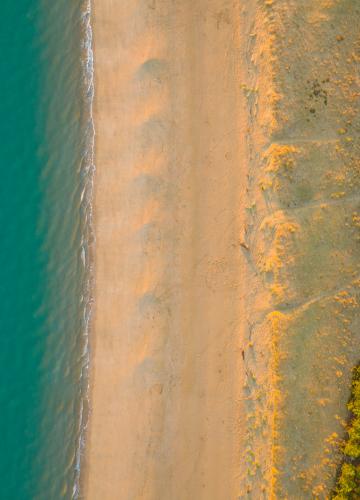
304	235
227	260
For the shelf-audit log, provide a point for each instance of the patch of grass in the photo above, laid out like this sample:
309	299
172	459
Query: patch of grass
348	483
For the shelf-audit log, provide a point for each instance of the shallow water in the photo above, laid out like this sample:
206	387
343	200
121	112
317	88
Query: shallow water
45	167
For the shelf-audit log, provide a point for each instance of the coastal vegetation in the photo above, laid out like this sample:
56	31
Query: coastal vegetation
348	484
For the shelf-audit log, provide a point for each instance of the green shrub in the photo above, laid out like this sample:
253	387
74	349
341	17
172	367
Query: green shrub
348	484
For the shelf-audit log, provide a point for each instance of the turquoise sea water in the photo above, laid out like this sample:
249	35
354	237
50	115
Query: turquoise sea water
45	187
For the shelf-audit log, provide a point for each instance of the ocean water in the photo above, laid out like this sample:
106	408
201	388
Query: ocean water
45	266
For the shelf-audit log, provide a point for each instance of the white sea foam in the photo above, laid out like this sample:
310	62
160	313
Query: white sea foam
88	167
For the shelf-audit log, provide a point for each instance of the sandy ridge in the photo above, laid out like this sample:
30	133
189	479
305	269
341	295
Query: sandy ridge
303	236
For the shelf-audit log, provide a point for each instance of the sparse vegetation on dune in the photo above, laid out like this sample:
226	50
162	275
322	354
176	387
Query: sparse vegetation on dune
348	484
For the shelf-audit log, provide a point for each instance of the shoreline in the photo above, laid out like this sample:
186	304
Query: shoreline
87	250
85	414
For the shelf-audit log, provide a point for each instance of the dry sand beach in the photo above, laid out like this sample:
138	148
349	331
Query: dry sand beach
227	247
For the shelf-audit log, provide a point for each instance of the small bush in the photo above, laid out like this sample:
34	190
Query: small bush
348	484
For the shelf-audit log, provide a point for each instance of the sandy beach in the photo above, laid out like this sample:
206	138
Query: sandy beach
227	262
169	193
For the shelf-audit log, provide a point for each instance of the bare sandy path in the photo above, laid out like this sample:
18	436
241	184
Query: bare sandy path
167	417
